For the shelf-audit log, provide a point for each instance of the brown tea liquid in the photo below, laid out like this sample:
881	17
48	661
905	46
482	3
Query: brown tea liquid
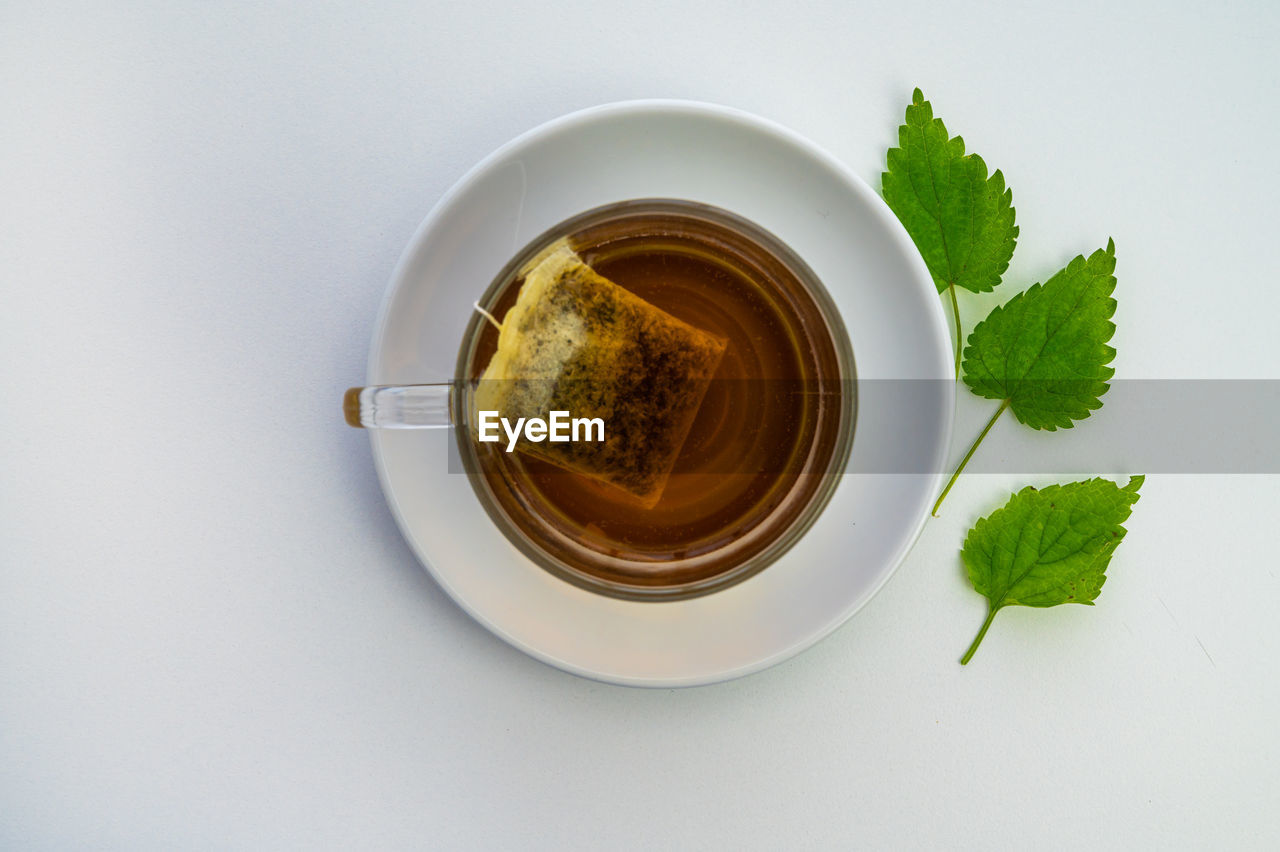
763	440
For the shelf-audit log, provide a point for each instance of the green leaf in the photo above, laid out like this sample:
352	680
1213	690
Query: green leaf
1045	352
1047	547
961	220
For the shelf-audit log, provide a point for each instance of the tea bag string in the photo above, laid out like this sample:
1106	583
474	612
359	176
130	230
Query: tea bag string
492	321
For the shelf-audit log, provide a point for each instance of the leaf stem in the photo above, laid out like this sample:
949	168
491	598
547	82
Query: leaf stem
964	461
955	310
977	640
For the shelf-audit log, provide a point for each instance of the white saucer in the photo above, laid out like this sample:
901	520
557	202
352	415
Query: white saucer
839	225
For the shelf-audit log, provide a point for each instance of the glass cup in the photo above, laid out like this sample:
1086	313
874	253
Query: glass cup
763	456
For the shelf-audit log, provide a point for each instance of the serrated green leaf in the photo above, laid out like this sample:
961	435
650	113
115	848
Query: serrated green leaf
1045	351
961	219
1047	547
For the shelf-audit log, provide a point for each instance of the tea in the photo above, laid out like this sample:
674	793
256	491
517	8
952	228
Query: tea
772	429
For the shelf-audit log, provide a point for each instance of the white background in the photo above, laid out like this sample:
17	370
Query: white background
211	632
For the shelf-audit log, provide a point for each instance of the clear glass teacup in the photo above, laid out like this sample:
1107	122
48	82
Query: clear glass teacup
761	458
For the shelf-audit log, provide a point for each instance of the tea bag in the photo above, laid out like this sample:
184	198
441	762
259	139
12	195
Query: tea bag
575	341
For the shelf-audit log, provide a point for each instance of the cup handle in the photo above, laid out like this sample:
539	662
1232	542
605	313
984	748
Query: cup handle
399	406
